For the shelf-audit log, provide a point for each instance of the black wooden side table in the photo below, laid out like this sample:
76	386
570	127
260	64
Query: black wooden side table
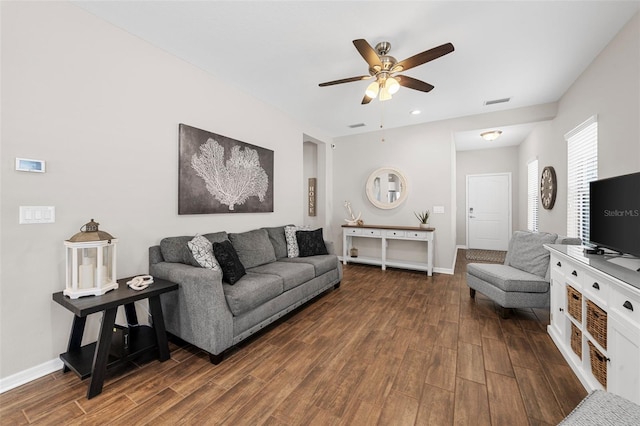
92	360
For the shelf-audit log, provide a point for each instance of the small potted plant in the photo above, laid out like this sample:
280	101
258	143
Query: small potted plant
423	217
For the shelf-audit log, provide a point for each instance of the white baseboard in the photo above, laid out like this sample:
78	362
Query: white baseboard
29	374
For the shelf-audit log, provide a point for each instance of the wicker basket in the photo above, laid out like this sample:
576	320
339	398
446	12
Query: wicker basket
597	323
576	340
598	365
574	303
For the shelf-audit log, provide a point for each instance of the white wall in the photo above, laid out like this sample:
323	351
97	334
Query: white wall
610	88
102	108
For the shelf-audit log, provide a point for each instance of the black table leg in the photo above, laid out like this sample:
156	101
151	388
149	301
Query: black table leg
75	338
130	312
101	354
158	325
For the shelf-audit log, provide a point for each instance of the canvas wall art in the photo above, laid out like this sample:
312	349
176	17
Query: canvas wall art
218	174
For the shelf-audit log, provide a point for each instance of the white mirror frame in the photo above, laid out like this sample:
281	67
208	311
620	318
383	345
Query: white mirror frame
403	184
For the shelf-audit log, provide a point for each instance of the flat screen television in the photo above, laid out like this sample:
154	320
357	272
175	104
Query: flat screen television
614	213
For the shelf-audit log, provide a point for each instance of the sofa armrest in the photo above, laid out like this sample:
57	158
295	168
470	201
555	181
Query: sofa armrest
198	312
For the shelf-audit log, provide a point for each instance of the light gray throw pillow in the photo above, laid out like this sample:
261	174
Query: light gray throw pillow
527	253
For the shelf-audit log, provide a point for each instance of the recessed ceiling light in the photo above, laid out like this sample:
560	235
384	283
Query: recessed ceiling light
415	112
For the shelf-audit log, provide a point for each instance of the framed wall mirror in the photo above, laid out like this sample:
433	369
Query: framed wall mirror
387	188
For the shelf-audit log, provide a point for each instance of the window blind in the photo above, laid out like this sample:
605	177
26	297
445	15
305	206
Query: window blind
582	168
532	195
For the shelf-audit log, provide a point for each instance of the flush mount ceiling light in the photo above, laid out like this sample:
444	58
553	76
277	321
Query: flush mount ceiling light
415	112
491	135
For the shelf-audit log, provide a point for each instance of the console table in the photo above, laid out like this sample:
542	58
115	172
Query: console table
92	360
595	319
384	233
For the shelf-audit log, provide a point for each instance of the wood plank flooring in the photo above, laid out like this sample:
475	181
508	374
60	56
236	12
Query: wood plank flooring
389	347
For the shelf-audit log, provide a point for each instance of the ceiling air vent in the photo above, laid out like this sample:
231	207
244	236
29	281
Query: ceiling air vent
353	126
497	101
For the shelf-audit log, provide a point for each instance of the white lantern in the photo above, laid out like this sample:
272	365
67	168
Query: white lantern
91	262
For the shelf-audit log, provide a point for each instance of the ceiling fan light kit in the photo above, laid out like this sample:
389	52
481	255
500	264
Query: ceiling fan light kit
385	68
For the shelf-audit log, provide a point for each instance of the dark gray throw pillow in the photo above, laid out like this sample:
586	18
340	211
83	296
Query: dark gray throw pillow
311	243
232	268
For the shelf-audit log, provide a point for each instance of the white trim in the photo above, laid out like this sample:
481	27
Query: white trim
30	374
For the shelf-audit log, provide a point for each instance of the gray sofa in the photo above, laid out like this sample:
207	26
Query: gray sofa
523	280
215	315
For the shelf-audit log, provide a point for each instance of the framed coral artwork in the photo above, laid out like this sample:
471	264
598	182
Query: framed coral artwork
218	174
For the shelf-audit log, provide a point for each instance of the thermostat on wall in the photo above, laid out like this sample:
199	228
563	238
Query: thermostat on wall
28	165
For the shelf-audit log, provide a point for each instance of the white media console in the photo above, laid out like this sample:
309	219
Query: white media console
384	233
595	319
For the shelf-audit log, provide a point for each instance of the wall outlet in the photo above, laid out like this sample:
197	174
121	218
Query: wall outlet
438	209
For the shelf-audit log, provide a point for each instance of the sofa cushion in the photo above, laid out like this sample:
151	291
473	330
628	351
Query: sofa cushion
507	278
202	251
310	243
527	253
278	241
216	237
253	247
292	274
321	263
232	268
176	250
251	291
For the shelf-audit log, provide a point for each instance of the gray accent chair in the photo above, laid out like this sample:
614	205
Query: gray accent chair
523	280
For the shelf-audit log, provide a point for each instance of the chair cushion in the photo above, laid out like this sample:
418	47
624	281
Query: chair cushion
253	247
527	253
251	291
507	278
292	274
603	408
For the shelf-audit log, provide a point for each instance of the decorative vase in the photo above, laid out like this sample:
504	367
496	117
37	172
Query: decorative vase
353	252
424	225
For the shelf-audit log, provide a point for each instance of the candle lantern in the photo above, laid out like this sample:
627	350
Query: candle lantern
91	262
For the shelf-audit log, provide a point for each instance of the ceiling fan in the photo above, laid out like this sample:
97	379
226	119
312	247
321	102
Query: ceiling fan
385	68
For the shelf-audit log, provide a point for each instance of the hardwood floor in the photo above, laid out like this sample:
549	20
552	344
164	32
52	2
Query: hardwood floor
389	347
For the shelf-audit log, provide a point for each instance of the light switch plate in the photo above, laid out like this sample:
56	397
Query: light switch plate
438	209
37	214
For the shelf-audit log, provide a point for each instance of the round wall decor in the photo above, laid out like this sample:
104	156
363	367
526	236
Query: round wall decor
548	187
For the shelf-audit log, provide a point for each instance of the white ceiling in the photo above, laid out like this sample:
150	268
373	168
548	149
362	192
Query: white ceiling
279	51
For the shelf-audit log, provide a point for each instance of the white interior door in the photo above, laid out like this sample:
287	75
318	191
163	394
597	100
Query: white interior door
489	211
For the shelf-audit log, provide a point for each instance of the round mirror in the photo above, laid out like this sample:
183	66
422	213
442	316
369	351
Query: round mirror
387	188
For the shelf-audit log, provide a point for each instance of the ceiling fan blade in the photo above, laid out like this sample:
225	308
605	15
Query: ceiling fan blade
345	80
413	83
367	52
366	100
424	57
